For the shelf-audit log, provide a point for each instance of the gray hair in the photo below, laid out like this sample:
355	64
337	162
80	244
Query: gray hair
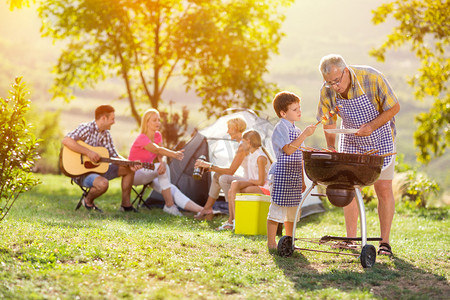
328	61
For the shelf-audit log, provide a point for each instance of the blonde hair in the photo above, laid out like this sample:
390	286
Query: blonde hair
238	123
144	120
253	137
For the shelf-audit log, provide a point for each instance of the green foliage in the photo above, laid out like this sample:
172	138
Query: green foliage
400	164
418	188
173	127
368	194
17	147
411	186
424	24
220	48
433	134
48	129
17	3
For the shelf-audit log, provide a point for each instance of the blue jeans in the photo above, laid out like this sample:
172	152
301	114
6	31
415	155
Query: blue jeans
88	180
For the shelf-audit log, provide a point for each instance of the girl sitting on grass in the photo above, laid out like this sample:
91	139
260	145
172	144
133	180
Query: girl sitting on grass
258	164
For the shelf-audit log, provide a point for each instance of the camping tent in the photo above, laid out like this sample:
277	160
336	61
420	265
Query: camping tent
214	142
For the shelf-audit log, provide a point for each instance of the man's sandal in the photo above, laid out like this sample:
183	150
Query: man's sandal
385	249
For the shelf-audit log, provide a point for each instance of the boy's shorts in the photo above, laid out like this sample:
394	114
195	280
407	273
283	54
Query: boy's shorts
282	214
88	180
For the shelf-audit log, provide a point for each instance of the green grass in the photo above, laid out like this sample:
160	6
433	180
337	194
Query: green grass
50	251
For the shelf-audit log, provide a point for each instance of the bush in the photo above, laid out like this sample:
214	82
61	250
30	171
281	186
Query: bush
400	165
49	131
174	126
368	193
415	188
418	188
17	147
409	185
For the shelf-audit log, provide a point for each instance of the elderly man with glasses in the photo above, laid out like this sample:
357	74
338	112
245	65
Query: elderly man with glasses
363	98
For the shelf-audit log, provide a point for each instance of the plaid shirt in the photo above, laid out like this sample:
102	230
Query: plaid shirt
375	86
90	134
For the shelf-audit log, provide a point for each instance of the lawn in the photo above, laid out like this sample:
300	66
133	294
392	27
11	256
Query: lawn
50	251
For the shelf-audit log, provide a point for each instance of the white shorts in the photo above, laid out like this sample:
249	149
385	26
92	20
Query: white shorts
388	172
282	214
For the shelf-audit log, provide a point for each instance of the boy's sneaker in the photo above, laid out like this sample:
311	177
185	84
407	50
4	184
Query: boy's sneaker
173	210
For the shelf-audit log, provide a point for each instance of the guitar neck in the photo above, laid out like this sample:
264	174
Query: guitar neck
121	162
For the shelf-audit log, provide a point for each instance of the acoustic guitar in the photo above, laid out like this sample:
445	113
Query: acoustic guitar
74	164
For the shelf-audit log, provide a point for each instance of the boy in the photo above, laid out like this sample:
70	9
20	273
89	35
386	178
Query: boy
287	183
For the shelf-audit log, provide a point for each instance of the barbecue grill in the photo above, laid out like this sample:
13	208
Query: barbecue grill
343	174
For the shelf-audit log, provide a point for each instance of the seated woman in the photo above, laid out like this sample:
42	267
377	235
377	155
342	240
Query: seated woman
224	175
258	164
146	148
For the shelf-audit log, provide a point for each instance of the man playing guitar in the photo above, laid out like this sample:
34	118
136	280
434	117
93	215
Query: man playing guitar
96	133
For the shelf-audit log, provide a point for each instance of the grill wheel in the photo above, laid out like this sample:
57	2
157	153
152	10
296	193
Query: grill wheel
285	247
368	256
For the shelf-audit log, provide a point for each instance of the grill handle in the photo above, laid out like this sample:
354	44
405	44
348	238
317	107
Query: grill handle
323	156
318	195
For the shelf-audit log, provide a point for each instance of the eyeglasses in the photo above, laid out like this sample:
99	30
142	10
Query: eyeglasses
330	84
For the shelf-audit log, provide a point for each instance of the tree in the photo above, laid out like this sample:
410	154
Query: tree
219	48
17	3
174	127
426	25
17	148
47	128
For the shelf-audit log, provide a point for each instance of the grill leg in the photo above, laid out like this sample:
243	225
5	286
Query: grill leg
362	216
299	212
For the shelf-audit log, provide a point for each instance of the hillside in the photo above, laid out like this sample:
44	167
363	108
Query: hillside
312	29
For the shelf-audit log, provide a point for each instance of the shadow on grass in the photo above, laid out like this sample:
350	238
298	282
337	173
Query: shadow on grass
389	278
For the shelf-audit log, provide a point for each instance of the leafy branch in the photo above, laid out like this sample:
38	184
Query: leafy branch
425	26
18	147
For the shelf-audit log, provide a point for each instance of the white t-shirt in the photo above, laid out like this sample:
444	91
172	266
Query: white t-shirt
252	164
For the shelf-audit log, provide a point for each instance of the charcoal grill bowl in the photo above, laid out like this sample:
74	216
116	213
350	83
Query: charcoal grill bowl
339	195
343	169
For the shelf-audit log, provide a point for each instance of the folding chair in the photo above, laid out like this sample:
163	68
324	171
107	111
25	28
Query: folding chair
140	195
83	188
